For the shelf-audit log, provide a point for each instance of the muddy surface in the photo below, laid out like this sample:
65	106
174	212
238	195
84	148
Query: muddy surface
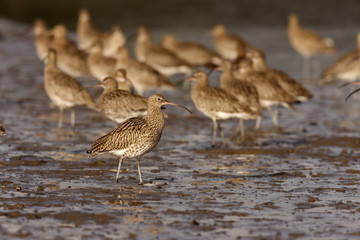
301	182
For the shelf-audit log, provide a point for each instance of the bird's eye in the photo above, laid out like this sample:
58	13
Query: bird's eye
159	99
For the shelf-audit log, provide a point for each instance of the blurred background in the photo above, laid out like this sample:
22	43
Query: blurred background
186	13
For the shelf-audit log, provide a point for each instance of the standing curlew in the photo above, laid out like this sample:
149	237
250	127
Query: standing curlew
142	76
120	105
229	46
100	66
136	136
307	43
289	84
158	57
2	129
43	38
69	58
346	68
217	104
87	35
63	90
115	40
244	91
85	32
270	91
194	53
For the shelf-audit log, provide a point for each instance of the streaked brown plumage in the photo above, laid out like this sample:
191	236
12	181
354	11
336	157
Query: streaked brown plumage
307	43
136	136
289	84
244	91
345	68
269	90
120	105
63	90
69	58
43	38
217	104
2	129
158	57
99	65
143	77
229	46
194	53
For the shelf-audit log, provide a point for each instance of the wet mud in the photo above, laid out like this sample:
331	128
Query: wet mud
301	182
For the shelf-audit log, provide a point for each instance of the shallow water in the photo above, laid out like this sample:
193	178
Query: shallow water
298	183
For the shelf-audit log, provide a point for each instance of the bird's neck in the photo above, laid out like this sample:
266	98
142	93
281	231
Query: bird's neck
226	77
155	117
259	65
293	25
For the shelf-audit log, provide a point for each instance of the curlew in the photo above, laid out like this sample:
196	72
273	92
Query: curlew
43	38
217	104
345	68
143	77
307	43
85	32
244	91
229	46
119	105
100	66
270	91
87	35
69	58
112	42
194	53
136	136
158	57
63	90
289	84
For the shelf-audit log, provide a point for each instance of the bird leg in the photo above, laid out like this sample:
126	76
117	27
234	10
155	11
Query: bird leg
240	128
306	69
139	170
214	133
274	116
72	119
316	68
61	111
221	133
119	167
258	123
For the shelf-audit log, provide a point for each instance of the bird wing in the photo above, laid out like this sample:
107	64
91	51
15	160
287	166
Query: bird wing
121	137
218	100
122	99
163	57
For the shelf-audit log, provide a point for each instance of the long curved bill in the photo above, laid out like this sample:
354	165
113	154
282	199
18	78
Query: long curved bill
92	86
352	93
178	105
349	84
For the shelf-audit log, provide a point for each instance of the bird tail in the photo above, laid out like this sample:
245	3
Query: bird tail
89	101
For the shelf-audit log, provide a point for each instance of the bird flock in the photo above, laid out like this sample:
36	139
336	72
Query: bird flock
246	87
